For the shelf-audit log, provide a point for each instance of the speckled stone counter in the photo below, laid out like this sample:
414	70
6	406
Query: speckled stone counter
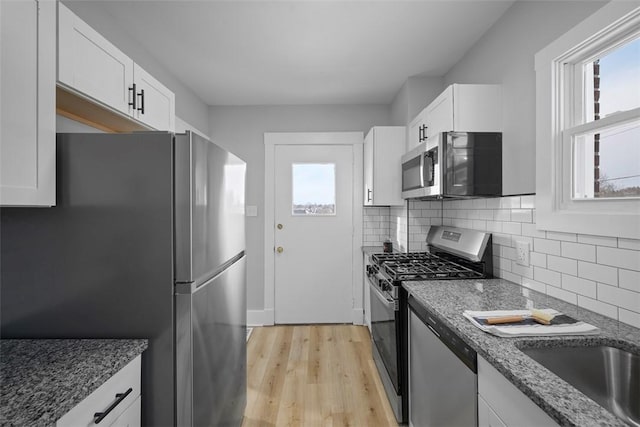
42	379
448	299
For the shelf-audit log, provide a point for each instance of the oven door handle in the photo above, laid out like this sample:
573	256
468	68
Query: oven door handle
390	304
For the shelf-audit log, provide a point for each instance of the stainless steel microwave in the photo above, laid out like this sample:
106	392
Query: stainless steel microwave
454	164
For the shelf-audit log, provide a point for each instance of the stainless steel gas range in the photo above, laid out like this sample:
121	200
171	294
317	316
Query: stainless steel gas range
453	253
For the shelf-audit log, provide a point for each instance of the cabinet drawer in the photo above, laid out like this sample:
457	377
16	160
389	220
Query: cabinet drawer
131	416
83	414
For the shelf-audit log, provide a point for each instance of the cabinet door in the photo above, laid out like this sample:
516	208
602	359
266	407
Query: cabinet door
388	147
368	169
27	119
440	113
90	64
155	104
418	130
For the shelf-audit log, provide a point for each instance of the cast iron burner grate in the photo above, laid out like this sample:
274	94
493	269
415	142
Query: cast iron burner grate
422	266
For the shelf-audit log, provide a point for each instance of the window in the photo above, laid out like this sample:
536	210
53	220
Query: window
588	126
604	143
314	189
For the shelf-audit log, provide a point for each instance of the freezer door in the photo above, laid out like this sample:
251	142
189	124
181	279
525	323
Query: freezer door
209	195
211	370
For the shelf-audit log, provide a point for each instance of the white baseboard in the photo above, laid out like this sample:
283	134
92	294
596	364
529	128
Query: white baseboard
358	316
260	317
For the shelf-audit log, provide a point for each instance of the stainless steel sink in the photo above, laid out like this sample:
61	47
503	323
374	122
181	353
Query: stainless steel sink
608	375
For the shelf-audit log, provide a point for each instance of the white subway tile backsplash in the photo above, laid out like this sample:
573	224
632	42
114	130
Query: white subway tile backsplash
521	270
620	297
512	228
501	263
537	259
502	215
629	317
579	286
494	226
632	244
531	230
629	279
562	294
479	225
567	237
506	275
547	276
521	215
479	203
501	239
510	202
598	240
562	265
535	285
544	246
597	272
623	258
598	306
578	251
493	203
528	202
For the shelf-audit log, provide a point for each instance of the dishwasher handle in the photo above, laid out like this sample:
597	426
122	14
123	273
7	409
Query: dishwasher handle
462	350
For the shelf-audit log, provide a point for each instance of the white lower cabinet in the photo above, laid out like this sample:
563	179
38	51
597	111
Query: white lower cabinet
130	417
119	398
500	403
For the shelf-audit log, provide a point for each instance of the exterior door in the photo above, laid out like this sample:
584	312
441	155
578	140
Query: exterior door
313	233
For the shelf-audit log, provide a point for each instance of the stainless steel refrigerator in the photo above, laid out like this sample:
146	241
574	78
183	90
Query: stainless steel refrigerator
147	240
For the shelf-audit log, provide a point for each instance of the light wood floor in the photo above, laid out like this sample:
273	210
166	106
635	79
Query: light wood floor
314	375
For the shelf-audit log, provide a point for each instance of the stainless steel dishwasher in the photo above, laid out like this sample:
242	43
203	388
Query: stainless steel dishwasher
443	382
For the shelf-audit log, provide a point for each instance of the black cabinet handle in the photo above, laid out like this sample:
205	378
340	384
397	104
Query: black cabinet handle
99	416
133	96
141	95
369	195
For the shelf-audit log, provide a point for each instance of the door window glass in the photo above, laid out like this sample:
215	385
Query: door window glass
314	189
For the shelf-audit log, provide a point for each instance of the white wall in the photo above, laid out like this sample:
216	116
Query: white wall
241	130
414	95
189	107
504	55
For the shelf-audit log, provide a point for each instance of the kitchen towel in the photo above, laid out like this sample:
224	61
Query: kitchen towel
529	328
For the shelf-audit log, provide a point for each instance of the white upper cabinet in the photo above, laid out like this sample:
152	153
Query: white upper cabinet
383	149
28	103
154	102
418	130
466	108
88	63
91	66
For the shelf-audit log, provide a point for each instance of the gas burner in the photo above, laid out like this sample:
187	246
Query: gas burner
423	266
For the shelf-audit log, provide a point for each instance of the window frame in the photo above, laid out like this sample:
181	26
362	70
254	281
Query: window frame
559	116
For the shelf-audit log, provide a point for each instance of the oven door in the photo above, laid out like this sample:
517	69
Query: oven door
384	331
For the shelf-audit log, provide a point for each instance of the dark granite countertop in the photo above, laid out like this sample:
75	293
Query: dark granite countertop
569	407
42	379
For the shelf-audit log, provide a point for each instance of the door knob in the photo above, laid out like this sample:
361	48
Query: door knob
279	249
279	226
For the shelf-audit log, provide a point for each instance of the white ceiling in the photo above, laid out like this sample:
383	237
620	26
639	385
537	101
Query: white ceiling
304	52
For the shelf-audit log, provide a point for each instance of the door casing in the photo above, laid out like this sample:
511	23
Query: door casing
271	139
